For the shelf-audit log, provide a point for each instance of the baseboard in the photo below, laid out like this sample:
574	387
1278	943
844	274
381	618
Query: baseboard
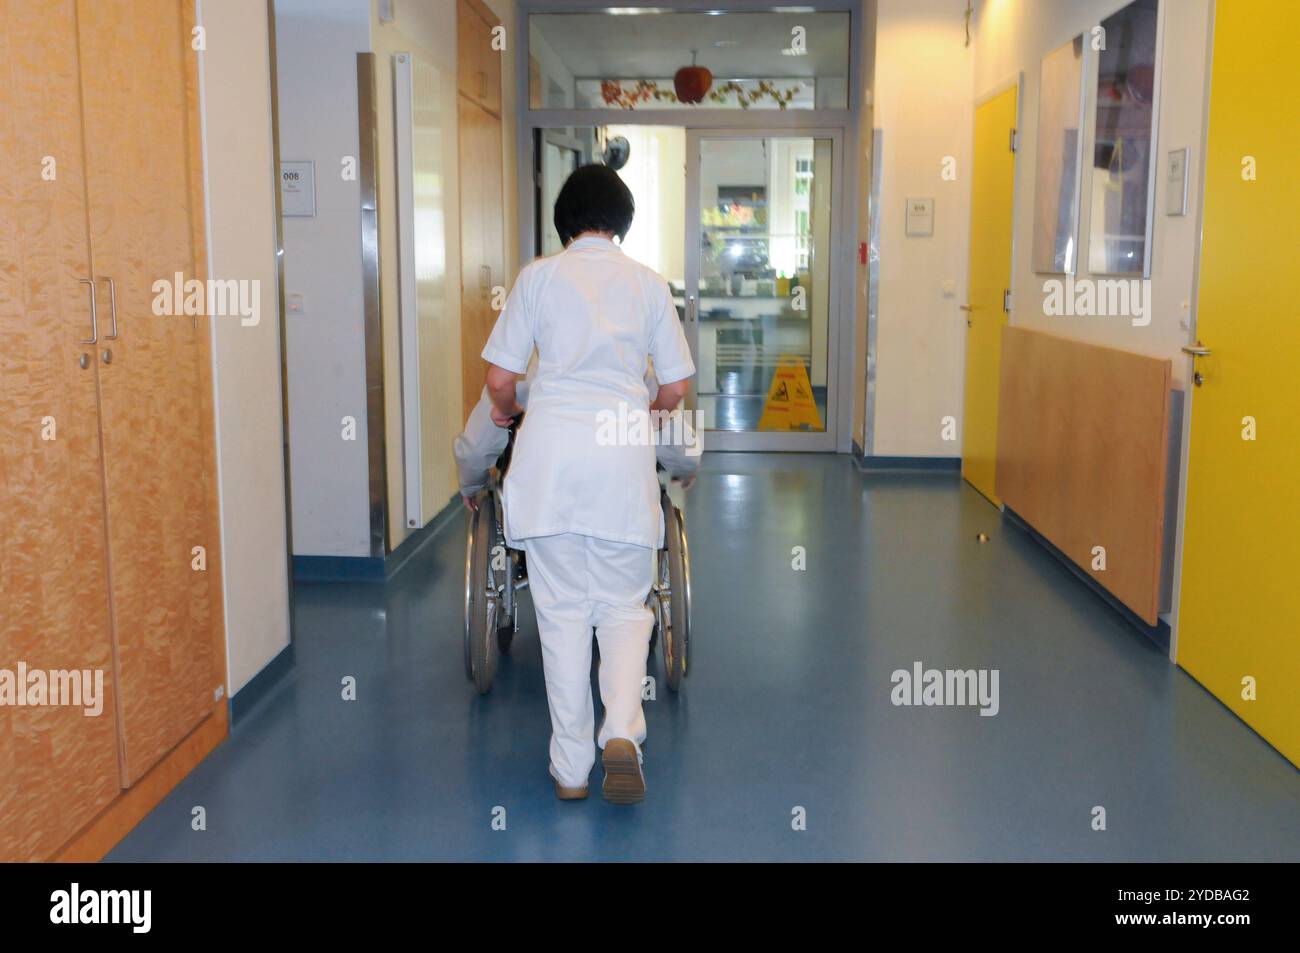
373	568
338	569
106	831
1158	633
413	543
260	685
922	464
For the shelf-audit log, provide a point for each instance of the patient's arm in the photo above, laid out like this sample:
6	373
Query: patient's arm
478	447
678	445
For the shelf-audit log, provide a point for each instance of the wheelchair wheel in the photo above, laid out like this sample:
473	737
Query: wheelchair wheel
504	582
482	599
674	609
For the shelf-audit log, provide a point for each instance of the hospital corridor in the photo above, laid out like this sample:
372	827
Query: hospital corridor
546	431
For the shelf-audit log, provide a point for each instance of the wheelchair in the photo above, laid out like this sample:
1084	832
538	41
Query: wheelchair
495	574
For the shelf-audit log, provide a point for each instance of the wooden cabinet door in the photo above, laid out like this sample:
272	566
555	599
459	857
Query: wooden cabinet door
481	245
479	66
145	194
58	766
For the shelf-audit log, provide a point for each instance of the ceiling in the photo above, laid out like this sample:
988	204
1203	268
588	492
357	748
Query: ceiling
737	45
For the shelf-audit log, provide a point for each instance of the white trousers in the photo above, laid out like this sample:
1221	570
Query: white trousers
578	582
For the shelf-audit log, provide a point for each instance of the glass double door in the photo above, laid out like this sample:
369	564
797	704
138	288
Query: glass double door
759	298
745	239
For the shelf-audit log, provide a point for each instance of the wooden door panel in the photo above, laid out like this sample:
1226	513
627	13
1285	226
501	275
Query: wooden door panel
58	767
479	66
145	203
475	128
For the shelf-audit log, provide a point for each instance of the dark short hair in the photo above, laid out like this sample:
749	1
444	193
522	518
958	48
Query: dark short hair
593	199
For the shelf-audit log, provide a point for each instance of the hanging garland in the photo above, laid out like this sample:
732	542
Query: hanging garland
615	94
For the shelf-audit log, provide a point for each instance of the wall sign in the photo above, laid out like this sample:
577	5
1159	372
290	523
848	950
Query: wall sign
920	217
298	189
1176	182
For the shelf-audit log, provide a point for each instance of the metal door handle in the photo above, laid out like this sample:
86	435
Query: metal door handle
1199	350
94	316
691	316
968	307
112	301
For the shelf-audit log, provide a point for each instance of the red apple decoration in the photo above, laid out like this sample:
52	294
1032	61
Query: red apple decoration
691	83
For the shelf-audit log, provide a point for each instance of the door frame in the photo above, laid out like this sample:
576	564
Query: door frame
755	440
844	356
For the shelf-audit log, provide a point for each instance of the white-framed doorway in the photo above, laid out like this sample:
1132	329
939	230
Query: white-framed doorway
828	350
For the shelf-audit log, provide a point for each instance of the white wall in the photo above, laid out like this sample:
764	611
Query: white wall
1014	35
925	85
239	168
924	99
317	43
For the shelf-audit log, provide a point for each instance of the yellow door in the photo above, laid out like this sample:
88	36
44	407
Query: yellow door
990	277
1239	612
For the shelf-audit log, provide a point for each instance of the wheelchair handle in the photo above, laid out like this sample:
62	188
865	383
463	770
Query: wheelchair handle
503	461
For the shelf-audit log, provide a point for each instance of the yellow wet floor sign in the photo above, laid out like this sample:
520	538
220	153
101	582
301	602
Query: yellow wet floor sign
790	404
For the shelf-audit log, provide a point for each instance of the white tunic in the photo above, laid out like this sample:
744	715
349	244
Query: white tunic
594	316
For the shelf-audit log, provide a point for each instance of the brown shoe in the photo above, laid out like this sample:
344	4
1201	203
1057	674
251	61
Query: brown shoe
570	794
624	780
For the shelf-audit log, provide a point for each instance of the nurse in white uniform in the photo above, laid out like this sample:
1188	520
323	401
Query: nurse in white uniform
581	496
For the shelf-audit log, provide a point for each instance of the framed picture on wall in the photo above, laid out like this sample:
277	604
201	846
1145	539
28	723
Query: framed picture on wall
1060	157
1123	170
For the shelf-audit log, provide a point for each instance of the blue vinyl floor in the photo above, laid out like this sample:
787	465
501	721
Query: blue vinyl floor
788	706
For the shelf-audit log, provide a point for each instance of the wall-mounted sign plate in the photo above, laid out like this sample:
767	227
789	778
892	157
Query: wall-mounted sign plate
920	217
298	189
1176	182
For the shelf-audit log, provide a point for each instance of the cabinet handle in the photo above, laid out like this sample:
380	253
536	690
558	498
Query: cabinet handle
94	316
485	277
112	301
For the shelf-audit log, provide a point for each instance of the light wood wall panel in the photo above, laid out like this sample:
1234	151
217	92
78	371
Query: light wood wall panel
482	253
479	66
58	767
139	79
1082	455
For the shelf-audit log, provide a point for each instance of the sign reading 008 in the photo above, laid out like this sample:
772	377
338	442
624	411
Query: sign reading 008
298	189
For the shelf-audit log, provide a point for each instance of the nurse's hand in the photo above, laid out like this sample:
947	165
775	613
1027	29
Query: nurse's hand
470	502
505	420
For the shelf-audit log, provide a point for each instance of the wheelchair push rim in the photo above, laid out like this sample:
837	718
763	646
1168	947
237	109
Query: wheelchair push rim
482	597
673	605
